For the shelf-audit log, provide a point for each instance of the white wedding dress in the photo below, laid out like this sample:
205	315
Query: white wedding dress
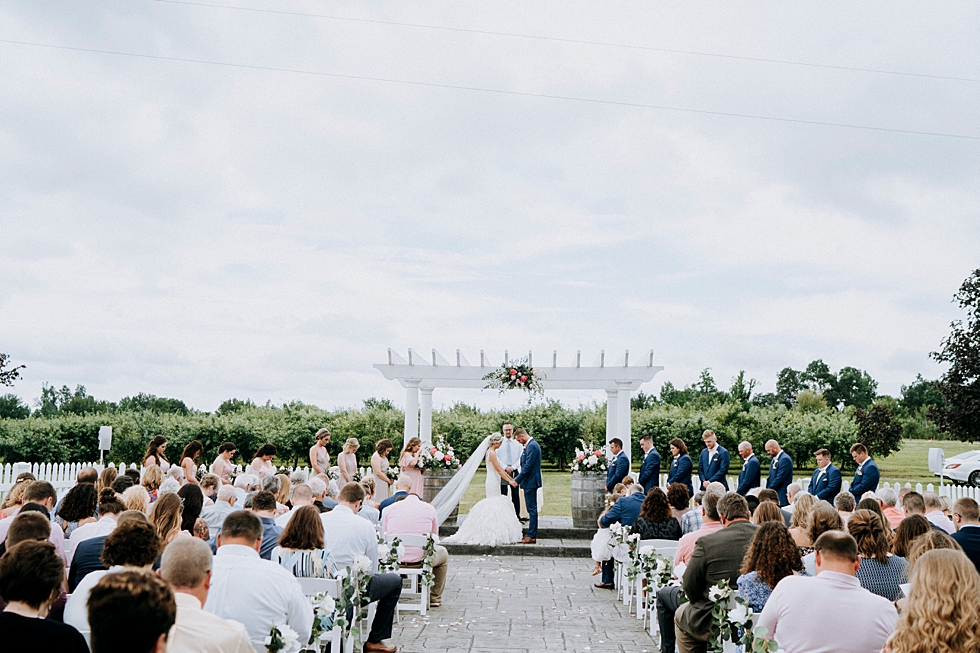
492	520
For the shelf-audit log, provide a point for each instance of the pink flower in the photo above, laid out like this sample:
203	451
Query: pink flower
581	456
598	452
523	378
448	458
513	372
433	450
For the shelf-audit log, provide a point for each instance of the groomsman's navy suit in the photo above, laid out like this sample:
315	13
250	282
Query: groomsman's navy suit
968	537
649	477
625	511
749	477
617	471
780	476
680	472
825	486
716	469
865	479
529	480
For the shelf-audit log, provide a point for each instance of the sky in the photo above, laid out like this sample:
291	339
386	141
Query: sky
273	193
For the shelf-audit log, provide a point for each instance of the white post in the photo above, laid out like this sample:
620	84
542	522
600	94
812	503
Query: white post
624	421
425	424
411	408
612	416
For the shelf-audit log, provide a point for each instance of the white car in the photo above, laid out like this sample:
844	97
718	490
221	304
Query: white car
963	468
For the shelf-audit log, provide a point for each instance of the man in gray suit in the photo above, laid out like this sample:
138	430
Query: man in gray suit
716	557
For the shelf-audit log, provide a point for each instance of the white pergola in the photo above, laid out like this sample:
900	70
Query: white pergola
422	375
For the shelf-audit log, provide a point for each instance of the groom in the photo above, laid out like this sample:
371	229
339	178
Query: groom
529	479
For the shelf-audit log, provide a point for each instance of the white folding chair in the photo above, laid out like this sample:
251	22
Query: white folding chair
311	587
418	594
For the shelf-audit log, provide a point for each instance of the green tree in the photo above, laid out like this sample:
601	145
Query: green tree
919	394
8	376
383	404
810	401
669	394
642	400
852	387
153	403
878	430
959	415
11	407
741	390
789	383
56	401
818	377
233	406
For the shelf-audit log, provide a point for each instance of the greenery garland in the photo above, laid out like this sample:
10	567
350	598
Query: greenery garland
353	599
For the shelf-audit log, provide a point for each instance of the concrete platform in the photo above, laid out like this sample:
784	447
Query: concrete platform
549	528
546	548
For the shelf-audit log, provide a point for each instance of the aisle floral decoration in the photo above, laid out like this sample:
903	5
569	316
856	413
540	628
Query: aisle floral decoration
438	456
282	639
589	459
428	578
351	605
654	568
515	375
622	542
324	619
388	555
730	618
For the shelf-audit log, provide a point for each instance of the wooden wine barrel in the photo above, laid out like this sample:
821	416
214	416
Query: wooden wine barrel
434	481
588	498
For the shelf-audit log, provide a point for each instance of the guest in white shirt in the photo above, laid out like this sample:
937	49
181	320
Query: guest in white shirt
801	611
215	514
792	490
302	496
509	457
186	565
934	512
244	483
348	537
109	509
256	592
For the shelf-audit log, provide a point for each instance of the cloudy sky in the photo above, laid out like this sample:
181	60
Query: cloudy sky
261	205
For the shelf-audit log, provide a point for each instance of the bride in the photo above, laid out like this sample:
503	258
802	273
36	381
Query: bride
492	520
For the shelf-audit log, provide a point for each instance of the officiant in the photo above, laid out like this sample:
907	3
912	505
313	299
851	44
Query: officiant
509	456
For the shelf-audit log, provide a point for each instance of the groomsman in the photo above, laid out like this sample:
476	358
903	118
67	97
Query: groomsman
619	466
649	477
509	457
751	472
867	475
780	471
826	482
714	461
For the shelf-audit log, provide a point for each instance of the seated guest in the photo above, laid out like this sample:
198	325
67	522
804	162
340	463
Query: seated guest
625	511
914	504
347	537
369	510
966	518
77	508
209	488
772	556
14	499
186	565
85	476
753	502
31	574
136	498
403	485
110	507
772	496
823	518
655	521
934	512
322	502
767	511
201	530
300	547
215	514
192	502
802	503
33	525
879	571
302	496
889	501
167	516
273	484
792	490
845	505
710	524
244	483
28	509
936	538
152	479
911	528
256	592
43	493
872	504
132	607
264	507
133	546
716	557
88	554
690	520
801	614
412	516
943	591
120	485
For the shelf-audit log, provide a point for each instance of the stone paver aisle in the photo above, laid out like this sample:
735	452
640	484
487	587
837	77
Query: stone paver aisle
498	604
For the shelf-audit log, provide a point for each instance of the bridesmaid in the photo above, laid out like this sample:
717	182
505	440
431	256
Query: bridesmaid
262	462
154	454
409	462
379	465
682	466
222	467
188	460
347	461
319	456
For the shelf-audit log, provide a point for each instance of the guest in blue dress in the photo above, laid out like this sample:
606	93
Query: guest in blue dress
682	465
880	572
772	556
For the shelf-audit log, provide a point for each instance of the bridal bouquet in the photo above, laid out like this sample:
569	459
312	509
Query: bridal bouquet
516	375
589	459
438	456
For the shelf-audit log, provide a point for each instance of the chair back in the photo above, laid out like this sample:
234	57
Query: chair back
420	541
314	586
663	547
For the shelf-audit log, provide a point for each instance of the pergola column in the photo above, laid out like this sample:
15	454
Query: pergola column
624	420
412	408
612	416
425	423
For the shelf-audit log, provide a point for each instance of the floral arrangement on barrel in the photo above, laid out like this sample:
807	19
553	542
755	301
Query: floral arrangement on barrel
589	459
516	375
438	456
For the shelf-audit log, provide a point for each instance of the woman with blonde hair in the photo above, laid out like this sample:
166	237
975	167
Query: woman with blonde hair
943	608
137	498
166	518
283	504
766	512
106	478
11	502
824	517
347	461
932	540
408	460
880	572
152	479
379	465
802	505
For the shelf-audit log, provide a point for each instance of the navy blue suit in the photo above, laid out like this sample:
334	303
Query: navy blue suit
650	471
749	477
825	486
625	511
390	500
780	476
717	469
529	480
87	558
617	471
680	472
865	480
968	537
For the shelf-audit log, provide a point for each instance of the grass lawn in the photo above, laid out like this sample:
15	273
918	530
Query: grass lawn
557	493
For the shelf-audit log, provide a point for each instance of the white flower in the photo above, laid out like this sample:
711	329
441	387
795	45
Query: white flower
383	550
327	605
646	550
635	537
716	593
592	460
268	640
362	564
615	527
290	639
739	614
